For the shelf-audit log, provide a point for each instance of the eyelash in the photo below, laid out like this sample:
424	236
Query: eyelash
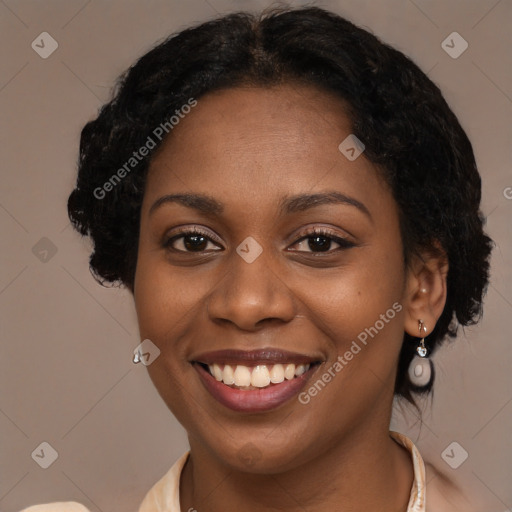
342	242
325	232
186	232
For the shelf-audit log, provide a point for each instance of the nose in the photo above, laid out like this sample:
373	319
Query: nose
251	296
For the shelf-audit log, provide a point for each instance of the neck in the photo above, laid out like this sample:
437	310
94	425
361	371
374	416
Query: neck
366	470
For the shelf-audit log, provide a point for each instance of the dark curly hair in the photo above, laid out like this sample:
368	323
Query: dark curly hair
400	115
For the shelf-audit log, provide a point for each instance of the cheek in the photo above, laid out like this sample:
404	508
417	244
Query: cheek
164	304
345	303
359	312
169	300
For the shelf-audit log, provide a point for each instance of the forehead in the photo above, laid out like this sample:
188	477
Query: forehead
254	145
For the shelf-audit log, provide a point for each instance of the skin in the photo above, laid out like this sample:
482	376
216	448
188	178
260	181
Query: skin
248	148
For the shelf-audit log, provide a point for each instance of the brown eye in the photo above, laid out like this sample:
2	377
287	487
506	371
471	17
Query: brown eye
191	241
319	241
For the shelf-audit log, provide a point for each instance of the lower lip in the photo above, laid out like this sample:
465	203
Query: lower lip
253	400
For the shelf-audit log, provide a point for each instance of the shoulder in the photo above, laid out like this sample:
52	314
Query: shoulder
60	506
443	495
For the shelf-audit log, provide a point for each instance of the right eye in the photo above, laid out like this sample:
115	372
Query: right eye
191	240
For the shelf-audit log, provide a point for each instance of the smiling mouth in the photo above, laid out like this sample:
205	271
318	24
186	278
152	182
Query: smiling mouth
259	376
255	381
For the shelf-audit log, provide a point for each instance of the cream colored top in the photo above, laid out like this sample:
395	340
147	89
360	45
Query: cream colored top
164	496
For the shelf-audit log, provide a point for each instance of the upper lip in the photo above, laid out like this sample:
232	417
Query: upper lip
254	357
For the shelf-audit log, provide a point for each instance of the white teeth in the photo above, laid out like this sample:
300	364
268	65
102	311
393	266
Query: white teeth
277	374
300	370
216	372
289	372
227	375
260	376
242	376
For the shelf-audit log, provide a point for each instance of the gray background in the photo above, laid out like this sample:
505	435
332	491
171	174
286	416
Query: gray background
66	370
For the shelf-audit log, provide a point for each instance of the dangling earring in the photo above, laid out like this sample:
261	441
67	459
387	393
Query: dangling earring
421	349
420	369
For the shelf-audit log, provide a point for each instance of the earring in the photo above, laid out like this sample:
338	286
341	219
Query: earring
421	349
420	369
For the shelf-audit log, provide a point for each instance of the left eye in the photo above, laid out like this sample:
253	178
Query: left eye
321	242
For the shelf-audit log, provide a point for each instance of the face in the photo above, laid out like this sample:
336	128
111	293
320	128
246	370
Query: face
262	244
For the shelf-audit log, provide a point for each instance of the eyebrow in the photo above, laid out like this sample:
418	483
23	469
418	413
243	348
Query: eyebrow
303	202
199	202
291	204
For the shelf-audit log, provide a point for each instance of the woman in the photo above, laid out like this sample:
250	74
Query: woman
295	209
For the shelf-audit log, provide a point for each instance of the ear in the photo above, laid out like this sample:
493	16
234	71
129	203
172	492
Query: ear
426	289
